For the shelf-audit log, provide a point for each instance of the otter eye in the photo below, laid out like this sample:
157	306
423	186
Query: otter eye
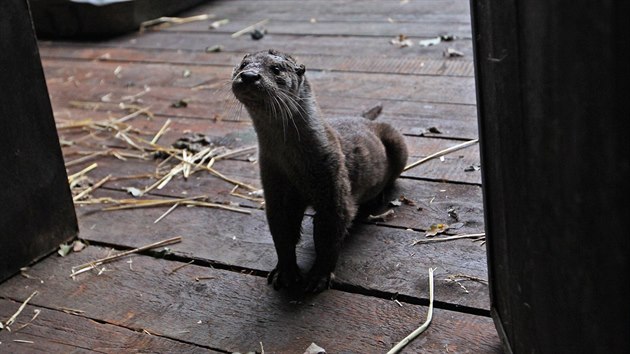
275	70
243	65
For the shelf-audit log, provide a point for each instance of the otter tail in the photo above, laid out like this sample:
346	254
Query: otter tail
395	148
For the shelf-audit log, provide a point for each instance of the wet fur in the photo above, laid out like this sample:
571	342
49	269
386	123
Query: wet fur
333	165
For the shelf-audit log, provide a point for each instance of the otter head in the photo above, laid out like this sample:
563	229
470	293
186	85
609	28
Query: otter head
267	75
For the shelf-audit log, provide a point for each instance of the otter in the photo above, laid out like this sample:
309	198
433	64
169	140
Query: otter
333	165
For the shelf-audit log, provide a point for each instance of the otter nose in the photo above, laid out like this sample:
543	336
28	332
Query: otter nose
250	76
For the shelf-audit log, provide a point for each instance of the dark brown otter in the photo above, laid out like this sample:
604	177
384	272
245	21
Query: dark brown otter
333	165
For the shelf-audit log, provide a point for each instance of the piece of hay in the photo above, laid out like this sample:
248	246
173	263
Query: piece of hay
424	326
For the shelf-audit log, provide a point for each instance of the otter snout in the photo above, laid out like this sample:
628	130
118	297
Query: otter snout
250	76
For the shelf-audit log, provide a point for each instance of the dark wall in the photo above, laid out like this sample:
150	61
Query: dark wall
552	85
36	209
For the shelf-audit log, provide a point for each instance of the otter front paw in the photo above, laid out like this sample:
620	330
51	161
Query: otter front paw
284	277
317	282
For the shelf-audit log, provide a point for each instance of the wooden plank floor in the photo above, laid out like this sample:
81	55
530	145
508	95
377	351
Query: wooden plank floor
220	302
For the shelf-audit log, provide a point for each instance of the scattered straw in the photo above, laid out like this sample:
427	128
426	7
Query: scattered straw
20	309
476	237
441	153
143	203
161	131
249	28
424	326
81	173
92	188
180	267
166	213
93	264
149	203
71	311
36	313
164	22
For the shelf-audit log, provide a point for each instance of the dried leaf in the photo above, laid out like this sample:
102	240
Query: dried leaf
258	33
134	191
219	23
183	103
452	213
406	200
448	37
373	112
430	42
395	203
436	229
78	246
214	48
64	249
472	168
315	349
401	41
452	53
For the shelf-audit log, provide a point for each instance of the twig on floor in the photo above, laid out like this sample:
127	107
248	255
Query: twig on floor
424	326
441	153
20	309
476	237
93	264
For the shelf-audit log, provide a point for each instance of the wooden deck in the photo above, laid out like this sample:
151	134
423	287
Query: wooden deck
221	302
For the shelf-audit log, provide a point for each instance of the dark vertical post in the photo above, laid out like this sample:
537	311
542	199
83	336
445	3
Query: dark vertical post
36	209
552	85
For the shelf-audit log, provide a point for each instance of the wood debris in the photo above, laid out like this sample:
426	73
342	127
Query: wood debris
475	237
181	266
188	163
164	22
386	216
249	28
398	347
36	313
12	319
76	270
441	153
401	41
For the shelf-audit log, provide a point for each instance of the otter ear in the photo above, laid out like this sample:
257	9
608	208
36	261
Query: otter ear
300	69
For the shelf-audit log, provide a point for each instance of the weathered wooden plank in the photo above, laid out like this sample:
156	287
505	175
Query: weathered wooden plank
244	241
458	90
452	169
433	200
295	44
237	312
456	167
418	65
412	118
346	11
383	28
216	117
54	331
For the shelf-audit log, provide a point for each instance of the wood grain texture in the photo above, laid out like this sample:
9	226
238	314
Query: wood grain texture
236	312
375	257
54	331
